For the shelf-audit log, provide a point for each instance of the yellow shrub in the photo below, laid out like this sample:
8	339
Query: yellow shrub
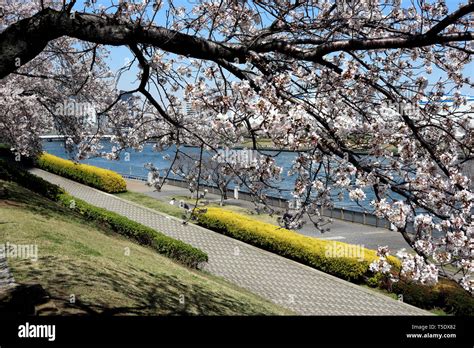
103	179
317	253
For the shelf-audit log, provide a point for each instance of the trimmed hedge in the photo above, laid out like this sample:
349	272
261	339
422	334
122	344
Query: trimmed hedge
170	247
102	179
12	172
446	295
167	246
307	250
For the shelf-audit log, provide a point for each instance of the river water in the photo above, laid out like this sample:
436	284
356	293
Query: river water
133	164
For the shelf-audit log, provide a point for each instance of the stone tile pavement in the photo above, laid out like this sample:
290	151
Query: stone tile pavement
353	233
295	286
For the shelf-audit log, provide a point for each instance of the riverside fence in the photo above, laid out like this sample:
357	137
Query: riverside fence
339	213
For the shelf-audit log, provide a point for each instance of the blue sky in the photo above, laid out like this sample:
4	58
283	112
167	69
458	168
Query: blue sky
128	79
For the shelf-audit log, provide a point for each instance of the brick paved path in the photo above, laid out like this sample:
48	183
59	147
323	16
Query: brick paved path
295	286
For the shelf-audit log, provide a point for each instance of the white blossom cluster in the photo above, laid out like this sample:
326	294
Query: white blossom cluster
414	267
381	265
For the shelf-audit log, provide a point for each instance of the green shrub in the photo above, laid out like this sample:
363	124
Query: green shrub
376	280
175	249
307	250
454	299
172	248
102	179
459	303
310	251
12	172
416	294
446	295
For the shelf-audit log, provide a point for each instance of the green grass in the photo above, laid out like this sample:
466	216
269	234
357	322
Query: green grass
151	203
261	143
439	312
173	210
380	291
79	258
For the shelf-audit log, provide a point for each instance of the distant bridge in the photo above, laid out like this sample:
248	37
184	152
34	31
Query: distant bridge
62	137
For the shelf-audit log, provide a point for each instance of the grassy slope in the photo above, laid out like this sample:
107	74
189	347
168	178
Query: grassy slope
77	257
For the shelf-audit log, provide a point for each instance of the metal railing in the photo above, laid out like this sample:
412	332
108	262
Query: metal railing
339	213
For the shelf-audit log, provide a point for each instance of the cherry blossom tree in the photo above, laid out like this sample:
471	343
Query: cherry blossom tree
323	78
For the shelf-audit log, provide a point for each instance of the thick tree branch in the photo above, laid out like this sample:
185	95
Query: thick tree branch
25	39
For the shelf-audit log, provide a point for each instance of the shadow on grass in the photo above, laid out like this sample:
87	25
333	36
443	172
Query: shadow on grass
131	291
15	195
103	286
12	194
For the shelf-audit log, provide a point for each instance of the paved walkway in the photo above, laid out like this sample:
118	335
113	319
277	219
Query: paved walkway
300	288
370	237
